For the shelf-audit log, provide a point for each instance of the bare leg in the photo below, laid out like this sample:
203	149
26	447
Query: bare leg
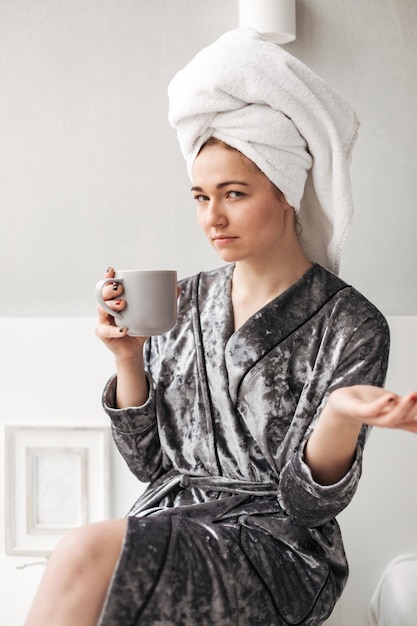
76	579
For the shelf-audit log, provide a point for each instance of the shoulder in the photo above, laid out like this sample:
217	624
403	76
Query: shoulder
352	309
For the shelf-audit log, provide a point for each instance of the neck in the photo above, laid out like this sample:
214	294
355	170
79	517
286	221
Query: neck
253	286
273	279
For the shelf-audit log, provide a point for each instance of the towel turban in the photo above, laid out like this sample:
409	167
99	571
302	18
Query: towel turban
256	97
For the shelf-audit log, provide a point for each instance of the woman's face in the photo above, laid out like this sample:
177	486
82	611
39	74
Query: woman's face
239	209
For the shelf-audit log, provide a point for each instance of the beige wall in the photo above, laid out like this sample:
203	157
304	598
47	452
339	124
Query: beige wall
90	171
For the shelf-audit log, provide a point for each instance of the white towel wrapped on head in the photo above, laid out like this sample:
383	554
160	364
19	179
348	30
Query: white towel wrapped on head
259	99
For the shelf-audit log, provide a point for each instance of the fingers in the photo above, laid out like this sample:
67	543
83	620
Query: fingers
106	328
365	401
111	294
109	331
111	291
378	407
114	337
412	397
406	412
115	305
405	408
104	316
375	406
384	404
401	414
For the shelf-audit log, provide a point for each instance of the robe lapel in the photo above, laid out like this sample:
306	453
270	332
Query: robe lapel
214	314
276	321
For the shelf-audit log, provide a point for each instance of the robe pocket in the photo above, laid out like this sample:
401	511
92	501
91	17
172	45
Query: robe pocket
290	563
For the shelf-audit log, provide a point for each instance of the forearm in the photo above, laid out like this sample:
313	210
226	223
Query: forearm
309	503
135	432
132	385
331	449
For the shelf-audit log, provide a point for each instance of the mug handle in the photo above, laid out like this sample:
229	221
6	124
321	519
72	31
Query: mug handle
99	295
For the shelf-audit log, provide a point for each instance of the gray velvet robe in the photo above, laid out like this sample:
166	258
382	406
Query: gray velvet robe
232	528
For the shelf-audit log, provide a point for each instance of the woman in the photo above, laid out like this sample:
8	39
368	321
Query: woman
249	418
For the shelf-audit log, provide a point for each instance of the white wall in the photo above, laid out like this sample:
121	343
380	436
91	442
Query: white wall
91	174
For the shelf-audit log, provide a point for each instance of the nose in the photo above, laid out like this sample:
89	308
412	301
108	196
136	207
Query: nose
215	215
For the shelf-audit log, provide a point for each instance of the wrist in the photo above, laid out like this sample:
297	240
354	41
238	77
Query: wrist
341	411
339	421
129	361
132	385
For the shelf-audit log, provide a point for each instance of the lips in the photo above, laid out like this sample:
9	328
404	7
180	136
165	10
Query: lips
223	238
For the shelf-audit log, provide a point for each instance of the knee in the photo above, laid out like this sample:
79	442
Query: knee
90	547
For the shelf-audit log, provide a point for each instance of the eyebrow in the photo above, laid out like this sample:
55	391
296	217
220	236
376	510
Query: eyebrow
225	184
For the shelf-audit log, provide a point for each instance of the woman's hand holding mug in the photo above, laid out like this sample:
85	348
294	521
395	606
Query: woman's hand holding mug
148	307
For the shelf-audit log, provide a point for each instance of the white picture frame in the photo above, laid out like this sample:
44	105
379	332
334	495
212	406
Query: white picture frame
57	478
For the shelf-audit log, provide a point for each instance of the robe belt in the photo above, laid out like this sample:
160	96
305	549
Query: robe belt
209	483
230	485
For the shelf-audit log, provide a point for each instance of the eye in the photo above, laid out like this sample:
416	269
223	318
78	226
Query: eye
235	194
201	198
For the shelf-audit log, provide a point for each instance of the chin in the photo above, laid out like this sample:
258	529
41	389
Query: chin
229	257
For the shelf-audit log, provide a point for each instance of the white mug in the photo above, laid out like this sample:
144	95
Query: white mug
151	301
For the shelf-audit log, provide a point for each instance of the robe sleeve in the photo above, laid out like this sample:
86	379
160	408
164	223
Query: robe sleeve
364	361
135	432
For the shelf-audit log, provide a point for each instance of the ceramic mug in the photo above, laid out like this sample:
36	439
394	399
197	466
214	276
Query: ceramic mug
151	301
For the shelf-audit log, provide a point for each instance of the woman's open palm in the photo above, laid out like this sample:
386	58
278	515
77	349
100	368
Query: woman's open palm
376	407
